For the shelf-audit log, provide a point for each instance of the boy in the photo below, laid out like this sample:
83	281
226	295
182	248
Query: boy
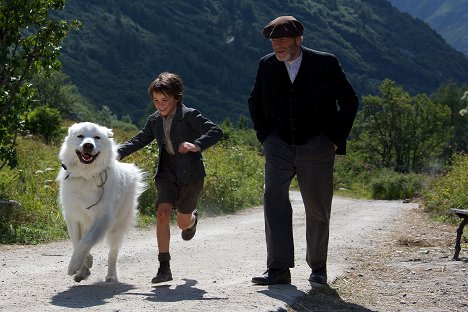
182	133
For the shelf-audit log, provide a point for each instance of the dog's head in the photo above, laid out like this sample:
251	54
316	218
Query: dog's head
88	147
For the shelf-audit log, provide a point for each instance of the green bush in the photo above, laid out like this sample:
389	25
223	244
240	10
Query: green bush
351	175
448	191
38	217
234	179
392	185
45	122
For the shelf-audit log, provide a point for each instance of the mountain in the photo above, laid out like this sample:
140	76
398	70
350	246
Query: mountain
215	46
448	17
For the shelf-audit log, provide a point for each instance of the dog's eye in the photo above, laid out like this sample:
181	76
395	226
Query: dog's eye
80	136
97	137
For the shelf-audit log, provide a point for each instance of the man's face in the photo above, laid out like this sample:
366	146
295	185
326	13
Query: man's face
164	104
286	48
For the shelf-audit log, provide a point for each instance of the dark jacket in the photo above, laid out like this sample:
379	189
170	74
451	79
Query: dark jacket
188	125
321	100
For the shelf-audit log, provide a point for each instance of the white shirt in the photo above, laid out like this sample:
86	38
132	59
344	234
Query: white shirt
293	67
167	123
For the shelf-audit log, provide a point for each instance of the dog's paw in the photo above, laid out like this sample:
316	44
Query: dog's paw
75	263
82	275
111	279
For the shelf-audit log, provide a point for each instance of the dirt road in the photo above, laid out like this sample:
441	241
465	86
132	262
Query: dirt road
211	273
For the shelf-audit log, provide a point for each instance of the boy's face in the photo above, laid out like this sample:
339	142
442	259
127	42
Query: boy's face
165	104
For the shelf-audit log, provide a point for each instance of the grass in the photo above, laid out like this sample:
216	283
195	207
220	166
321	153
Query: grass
234	181
448	191
32	184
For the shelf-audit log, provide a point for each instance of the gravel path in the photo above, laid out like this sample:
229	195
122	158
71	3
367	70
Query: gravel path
211	273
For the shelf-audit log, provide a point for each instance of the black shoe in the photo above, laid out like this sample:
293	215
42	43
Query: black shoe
273	276
164	275
318	276
189	233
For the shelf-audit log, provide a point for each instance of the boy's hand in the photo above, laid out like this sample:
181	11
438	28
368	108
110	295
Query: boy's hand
188	147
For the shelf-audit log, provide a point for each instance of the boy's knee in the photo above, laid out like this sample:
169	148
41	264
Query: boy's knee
184	221
164	213
183	224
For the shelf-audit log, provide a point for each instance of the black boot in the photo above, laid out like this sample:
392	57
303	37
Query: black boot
318	276
164	275
164	272
273	276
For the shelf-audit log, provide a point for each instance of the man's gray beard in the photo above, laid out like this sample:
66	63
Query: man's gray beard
288	57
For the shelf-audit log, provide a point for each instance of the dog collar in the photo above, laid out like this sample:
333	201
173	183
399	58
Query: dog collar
65	167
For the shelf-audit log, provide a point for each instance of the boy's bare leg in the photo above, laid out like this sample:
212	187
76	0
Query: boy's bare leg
163	236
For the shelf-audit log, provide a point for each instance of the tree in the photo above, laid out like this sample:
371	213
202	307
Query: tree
105	117
56	91
401	132
29	45
452	95
464	100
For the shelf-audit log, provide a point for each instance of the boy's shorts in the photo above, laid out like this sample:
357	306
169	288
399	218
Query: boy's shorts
183	197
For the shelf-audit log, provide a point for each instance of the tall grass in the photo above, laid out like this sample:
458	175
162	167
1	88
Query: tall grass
448	191
32	184
234	181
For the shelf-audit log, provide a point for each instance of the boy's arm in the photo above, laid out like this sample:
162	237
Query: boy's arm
211	133
143	138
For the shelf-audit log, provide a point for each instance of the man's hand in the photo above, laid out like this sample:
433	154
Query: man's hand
188	147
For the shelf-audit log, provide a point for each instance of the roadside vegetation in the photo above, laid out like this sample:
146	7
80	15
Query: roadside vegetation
234	182
397	150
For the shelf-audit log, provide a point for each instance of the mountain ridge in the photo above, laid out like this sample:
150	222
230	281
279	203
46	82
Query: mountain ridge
447	17
215	46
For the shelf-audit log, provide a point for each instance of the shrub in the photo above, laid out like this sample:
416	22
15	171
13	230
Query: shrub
38	217
234	179
393	185
448	191
349	173
45	122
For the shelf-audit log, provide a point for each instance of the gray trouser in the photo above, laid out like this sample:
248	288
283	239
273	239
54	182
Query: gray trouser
312	162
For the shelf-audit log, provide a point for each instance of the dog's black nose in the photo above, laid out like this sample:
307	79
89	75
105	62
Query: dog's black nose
88	148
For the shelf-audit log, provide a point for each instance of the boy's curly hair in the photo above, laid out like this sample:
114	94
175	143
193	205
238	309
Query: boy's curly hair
167	84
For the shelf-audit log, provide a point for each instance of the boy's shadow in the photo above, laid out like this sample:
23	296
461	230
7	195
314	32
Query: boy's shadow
187	291
85	296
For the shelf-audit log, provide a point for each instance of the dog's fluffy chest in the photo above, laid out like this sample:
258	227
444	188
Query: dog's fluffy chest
82	194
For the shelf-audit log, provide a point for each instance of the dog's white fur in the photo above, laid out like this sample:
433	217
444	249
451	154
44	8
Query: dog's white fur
98	195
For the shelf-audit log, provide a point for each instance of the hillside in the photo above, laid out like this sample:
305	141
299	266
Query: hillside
215	46
448	17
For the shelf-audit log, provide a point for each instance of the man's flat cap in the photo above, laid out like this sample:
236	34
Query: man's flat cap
283	26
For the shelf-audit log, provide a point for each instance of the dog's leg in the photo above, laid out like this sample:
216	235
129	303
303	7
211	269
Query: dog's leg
114	238
75	230
84	272
91	238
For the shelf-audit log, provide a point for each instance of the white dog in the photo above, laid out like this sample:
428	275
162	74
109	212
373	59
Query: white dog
98	195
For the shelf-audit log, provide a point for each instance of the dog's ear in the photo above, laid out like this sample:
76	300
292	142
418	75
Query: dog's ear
110	134
70	129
